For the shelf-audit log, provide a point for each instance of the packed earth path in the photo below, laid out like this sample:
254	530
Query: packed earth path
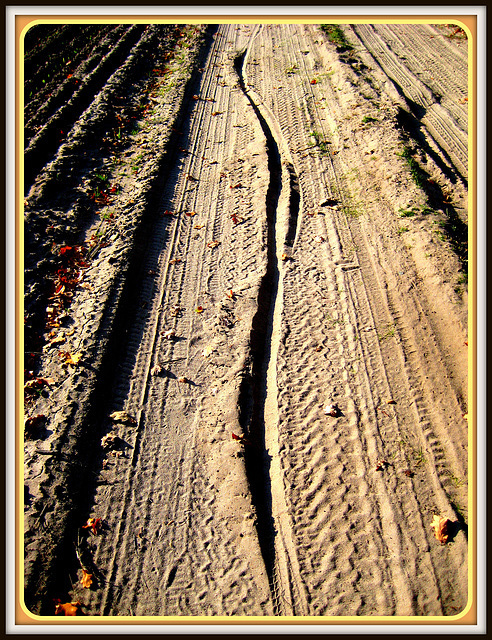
246	320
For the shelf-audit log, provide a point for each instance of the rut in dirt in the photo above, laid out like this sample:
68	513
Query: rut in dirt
254	391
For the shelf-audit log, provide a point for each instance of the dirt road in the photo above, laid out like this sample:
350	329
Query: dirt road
246	322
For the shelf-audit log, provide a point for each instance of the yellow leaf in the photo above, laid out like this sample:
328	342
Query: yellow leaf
441	528
86	579
122	416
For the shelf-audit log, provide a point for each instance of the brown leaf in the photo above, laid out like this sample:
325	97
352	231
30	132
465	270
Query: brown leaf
110	441
68	609
441	528
213	244
381	465
190	214
86	579
332	410
169	334
122	416
157	369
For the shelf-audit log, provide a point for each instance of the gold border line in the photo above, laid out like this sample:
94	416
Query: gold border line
469	614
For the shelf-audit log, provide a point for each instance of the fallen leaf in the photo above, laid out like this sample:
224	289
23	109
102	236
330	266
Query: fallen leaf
332	410
190	214
213	244
94	524
240	439
217	113
441	528
314	81
110	441
122	416
390	402
38	382
31	423
70	358
68	609
168	213
175	261
183	379
230	294
381	465
156	370
199	309
86	579
198	226
57	339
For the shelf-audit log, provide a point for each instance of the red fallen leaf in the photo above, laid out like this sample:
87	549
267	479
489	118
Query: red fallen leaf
31	423
241	439
168	213
68	609
190	214
314	81
230	294
86	579
237	186
38	382
441	528
381	465
94	524
199	309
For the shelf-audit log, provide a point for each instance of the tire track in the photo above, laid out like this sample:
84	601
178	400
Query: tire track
359	369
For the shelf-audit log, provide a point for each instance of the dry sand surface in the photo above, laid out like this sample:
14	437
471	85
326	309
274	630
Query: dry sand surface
246	320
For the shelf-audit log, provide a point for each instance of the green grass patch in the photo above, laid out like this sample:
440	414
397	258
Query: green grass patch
336	35
418	175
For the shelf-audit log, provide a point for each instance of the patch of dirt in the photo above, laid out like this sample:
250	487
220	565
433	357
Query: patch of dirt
252	241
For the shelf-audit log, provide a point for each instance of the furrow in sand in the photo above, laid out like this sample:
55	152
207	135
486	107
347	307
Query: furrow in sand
264	469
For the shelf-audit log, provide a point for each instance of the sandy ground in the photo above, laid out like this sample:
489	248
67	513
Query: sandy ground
266	273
